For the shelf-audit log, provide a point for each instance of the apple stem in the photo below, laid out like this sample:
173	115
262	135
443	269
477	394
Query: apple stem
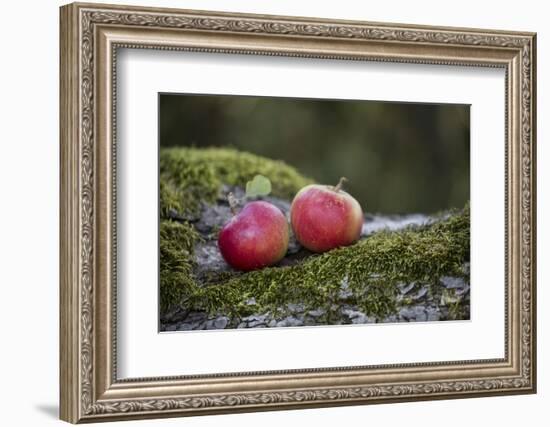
340	184
232	203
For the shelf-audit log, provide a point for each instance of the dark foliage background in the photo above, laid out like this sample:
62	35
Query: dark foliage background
398	157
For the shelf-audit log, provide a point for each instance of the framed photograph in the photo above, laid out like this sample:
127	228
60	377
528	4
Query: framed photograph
265	212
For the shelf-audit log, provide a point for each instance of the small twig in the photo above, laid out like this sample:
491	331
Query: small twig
233	203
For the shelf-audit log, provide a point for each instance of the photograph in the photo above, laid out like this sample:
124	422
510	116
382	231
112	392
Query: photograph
290	212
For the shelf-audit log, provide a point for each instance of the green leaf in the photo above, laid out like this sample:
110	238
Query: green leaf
259	186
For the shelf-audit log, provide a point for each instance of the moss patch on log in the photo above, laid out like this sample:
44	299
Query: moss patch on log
372	268
176	266
190	175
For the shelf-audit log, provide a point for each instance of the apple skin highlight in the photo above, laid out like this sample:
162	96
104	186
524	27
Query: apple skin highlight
324	217
254	238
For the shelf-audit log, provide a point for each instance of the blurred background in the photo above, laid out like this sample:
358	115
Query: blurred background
398	157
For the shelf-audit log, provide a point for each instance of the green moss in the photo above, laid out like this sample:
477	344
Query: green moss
170	198
373	267
189	175
177	285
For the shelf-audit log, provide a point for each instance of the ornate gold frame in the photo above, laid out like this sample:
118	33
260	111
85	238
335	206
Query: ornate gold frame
90	36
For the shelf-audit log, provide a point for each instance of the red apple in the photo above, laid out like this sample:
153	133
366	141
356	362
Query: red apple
325	217
255	237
